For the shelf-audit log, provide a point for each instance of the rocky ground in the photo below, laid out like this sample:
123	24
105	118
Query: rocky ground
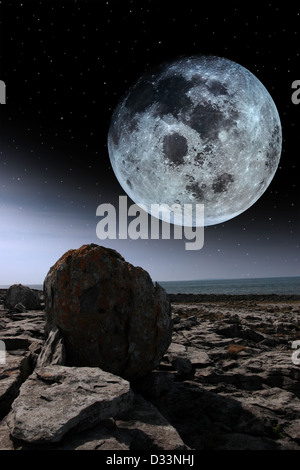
228	381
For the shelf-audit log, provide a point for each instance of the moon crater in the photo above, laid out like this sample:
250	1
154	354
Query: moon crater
197	130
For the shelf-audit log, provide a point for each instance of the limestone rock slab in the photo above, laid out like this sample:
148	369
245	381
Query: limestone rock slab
55	399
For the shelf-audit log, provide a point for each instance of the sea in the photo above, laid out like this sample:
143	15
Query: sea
255	286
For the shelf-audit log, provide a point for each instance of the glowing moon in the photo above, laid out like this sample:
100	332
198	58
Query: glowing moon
198	130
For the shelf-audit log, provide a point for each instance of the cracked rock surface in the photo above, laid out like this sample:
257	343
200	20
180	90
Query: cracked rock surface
226	381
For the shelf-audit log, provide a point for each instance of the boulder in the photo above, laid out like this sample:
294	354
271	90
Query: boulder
56	399
23	297
27	326
177	353
110	313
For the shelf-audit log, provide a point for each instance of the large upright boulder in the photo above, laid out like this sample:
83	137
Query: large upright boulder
109	312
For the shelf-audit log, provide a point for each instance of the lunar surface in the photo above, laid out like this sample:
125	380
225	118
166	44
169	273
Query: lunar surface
200	130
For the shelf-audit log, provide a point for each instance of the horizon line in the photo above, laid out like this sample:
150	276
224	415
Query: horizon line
229	278
5	286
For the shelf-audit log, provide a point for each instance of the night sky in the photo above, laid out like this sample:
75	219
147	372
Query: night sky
66	65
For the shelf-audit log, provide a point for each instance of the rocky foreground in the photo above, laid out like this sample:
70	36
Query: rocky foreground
229	380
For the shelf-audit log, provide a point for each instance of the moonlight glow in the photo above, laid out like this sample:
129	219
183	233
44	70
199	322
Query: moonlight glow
199	130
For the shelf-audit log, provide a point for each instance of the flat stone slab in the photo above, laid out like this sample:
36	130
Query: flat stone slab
140	427
12	373
55	399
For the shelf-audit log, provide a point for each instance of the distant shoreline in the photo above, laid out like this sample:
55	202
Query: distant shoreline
198	298
278	286
255	286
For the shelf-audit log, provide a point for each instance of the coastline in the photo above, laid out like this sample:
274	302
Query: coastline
183	297
198	298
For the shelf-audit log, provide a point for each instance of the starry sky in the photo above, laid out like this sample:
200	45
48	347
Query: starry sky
67	65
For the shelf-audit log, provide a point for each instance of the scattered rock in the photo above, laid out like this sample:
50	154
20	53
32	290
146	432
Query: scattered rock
218	386
22	297
109	312
24	332
196	357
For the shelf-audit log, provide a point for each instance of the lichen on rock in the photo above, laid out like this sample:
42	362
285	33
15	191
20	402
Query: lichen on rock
109	312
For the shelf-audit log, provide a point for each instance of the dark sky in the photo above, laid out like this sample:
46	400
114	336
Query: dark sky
66	65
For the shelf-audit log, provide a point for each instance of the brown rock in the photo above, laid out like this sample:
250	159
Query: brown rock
23	297
109	312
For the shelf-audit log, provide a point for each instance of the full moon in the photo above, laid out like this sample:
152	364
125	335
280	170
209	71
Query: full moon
199	130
